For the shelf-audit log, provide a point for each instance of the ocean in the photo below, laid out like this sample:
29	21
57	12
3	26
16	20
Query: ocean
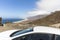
10	20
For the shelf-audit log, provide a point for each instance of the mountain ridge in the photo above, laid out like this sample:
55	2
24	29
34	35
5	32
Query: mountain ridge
53	18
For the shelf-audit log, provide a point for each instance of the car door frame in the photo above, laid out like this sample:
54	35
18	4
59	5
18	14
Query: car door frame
22	34
27	34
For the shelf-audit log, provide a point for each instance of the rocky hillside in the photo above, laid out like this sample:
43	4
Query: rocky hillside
54	18
36	17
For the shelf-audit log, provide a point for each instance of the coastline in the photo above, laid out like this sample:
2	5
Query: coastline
21	21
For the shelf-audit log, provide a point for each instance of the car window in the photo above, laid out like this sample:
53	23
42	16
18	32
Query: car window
35	36
58	37
21	32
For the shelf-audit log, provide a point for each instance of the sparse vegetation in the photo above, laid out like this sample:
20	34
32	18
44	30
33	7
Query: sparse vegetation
50	20
54	18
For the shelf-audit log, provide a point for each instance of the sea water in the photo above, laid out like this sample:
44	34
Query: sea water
10	20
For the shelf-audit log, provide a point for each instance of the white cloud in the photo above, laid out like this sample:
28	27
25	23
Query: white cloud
38	12
47	6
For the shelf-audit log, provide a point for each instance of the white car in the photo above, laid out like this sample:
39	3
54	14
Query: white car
35	33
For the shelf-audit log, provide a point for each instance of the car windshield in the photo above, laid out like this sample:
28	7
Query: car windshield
21	32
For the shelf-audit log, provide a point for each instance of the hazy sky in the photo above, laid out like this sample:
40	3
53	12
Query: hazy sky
16	8
26	8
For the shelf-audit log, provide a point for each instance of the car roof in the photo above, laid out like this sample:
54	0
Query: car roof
44	29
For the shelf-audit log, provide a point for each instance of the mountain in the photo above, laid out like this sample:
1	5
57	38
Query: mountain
53	18
30	19
36	17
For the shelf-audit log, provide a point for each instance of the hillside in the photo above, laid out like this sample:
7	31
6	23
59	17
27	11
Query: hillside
54	18
32	18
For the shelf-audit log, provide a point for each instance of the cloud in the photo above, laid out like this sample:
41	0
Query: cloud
38	12
47	6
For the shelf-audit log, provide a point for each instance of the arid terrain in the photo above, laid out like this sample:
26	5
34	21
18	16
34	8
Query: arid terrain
52	20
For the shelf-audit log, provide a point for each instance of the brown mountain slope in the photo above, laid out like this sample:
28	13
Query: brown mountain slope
49	20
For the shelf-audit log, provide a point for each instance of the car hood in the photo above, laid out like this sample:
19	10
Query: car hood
6	34
5	38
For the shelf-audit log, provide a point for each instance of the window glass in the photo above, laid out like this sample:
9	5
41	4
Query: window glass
21	32
35	36
58	37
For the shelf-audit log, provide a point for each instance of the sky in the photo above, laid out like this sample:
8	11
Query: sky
16	8
45	7
27	8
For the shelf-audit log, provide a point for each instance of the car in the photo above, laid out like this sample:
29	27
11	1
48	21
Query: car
32	33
